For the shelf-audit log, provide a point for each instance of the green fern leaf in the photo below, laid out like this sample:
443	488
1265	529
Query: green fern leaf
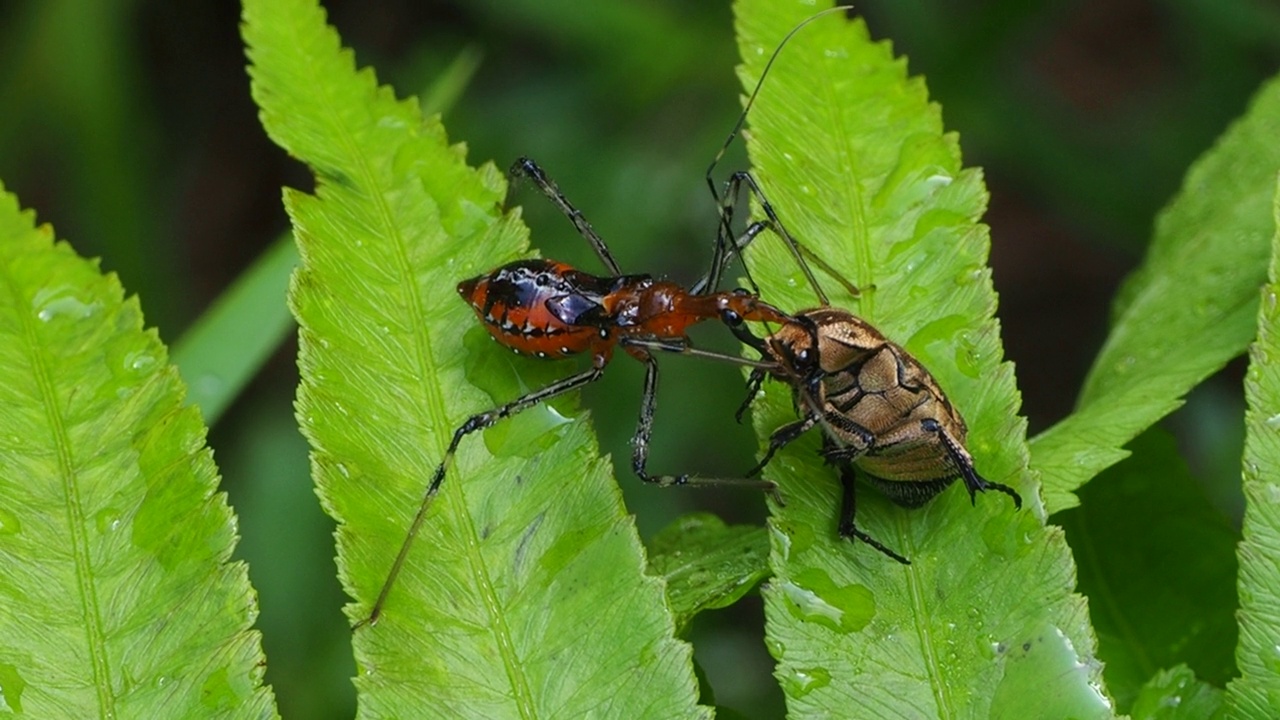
1256	694
1162	592
984	623
1176	694
1199	281
525	594
117	597
707	564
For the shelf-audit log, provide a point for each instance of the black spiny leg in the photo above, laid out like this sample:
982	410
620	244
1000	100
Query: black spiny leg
754	381
528	168
781	438
644	429
476	422
973	482
849	508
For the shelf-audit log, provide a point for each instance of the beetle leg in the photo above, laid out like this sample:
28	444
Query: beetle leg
973	482
780	438
849	508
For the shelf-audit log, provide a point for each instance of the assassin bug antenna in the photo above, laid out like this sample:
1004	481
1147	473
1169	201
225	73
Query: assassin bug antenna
727	248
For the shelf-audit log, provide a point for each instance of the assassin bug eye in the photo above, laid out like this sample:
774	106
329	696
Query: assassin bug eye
731	317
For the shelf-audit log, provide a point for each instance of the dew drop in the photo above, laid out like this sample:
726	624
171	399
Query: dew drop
969	275
987	647
61	302
775	647
812	596
803	681
937	180
1273	422
782	541
107	520
1271	659
1048	652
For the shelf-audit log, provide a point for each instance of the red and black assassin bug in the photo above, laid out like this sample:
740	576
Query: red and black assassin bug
548	309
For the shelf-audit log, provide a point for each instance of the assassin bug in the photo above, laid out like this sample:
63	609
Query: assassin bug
549	309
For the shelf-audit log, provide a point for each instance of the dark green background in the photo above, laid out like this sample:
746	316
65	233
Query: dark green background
128	124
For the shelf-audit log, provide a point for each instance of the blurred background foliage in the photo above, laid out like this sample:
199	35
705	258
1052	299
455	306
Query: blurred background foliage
128	124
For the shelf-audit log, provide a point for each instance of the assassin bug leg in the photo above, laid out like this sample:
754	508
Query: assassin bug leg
640	443
529	169
754	382
476	422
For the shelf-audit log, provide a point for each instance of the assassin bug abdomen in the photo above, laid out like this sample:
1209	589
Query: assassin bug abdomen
541	307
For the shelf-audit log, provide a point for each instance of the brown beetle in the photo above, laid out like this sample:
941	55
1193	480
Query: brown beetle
881	412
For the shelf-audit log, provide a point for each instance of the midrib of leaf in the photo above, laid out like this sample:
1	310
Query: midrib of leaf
434	396
853	201
862	263
497	620
94	633
75	519
937	682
